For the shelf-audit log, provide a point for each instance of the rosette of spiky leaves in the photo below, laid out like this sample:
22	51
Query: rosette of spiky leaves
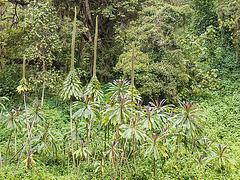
11	120
133	93
94	90
71	86
163	112
222	156
190	120
133	130
155	146
36	114
83	151
87	110
151	120
24	86
41	140
118	88
119	112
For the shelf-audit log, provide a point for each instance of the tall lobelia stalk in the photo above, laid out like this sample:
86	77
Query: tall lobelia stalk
72	85
94	90
95	50
134	95
132	72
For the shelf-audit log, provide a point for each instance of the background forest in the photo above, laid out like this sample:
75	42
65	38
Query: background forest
119	89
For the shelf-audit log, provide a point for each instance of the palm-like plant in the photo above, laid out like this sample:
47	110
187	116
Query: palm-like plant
222	156
189	123
163	112
11	121
41	140
155	147
37	114
83	152
89	112
190	119
135	132
118	88
119	112
151	120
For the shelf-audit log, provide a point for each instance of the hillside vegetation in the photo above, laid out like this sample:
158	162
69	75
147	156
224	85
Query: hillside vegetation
120	89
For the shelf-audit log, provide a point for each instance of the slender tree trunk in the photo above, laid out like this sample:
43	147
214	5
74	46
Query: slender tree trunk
63	153
89	134
16	153
0	158
72	134
8	146
134	154
117	132
78	168
154	166
95	150
15	142
88	12
68	161
108	133
44	159
105	144
76	126
122	155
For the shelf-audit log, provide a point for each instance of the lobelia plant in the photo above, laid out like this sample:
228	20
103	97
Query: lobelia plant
222	156
155	147
89	112
189	123
72	86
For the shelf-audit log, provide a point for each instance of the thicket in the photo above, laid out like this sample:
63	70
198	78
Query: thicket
77	116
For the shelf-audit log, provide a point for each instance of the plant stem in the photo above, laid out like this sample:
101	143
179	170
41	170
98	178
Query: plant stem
89	133
8	148
154	166
29	134
72	134
0	158
95	150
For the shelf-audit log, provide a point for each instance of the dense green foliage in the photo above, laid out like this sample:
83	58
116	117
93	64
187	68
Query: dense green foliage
131	82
